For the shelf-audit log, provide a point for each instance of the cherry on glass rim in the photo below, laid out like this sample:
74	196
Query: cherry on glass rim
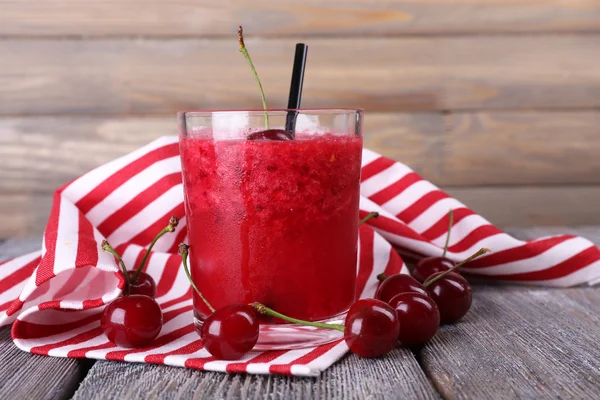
371	328
418	315
271	134
230	332
132	321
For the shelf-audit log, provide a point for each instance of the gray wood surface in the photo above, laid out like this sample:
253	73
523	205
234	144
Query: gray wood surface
396	376
516	342
26	376
520	343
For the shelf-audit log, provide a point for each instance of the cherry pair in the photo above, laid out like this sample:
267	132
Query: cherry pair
135	319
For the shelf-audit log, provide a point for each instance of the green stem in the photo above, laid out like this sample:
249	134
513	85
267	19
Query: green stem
474	256
373	214
450	221
382	277
108	248
183	250
169	228
262	309
244	51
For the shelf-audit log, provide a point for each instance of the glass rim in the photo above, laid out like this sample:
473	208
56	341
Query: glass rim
272	110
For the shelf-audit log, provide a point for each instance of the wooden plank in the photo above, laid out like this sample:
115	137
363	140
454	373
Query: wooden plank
465	149
24	214
492	148
397	375
505	206
287	17
519	343
391	74
27	376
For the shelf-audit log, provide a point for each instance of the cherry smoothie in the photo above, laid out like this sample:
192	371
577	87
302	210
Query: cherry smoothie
273	221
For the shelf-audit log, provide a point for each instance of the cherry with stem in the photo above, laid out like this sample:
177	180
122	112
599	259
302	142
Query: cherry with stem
229	332
451	292
429	265
370	329
133	320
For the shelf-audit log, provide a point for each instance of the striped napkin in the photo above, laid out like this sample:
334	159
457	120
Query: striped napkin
54	297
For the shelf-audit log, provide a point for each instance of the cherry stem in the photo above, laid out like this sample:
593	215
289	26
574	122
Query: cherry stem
450	221
382	277
108	248
262	309
244	51
373	214
184	250
474	256
169	228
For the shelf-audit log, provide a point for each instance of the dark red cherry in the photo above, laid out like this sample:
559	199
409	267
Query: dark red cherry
452	294
271	134
132	321
430	265
144	284
230	332
371	328
418	315
396	284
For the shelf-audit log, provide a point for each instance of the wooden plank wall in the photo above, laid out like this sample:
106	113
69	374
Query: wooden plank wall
496	101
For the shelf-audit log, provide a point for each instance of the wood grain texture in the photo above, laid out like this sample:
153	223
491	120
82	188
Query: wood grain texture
459	149
504	206
533	206
24	376
391	74
395	376
520	343
287	17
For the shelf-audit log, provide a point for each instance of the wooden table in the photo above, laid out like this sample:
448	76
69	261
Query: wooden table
516	342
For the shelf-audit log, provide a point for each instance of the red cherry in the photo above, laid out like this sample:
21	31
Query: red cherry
396	284
271	134
371	328
452	294
430	265
230	332
132	321
418	315
144	284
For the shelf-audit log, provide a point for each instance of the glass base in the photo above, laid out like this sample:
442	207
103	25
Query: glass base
292	336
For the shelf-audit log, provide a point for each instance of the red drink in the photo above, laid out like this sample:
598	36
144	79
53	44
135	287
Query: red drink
273	221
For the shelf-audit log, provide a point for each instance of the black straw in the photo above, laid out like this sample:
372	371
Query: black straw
296	87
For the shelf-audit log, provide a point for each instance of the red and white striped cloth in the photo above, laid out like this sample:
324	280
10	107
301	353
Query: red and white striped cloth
54	297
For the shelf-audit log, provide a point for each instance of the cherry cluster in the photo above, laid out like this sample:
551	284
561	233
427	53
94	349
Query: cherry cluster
407	310
135	319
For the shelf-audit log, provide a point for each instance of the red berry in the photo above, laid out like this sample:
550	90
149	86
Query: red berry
452	294
371	328
430	265
144	284
396	284
230	332
271	134
418	315
132	321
